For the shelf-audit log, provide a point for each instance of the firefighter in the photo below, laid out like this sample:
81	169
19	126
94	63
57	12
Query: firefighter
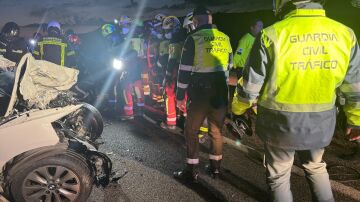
294	69
12	47
205	61
158	49
176	44
130	80
177	36
148	29
73	39
54	47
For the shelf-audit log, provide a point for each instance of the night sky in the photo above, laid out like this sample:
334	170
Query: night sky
87	11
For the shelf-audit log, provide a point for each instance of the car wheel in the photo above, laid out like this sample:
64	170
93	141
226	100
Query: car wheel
87	123
58	177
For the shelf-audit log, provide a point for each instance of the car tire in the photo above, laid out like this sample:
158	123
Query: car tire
93	121
60	175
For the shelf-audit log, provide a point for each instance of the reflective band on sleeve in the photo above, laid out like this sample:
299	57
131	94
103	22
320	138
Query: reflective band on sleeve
17	51
210	69
157	24
187	68
215	157
182	85
192	161
158	64
140	104
36	53
128	108
203	129
144	76
252	87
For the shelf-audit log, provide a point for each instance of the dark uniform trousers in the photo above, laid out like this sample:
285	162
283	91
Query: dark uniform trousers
197	112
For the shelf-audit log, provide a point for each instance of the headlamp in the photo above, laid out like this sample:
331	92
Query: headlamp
32	42
118	64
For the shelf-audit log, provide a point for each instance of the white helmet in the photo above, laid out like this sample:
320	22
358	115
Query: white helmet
54	24
188	22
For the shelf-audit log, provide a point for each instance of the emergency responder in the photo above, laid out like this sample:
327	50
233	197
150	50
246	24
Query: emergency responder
125	23
158	49
294	69
205	61
111	36
245	45
148	29
177	36
73	39
176	44
12	47
242	52
130	81
54	47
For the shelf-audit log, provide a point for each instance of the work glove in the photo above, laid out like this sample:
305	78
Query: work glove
181	104
353	134
242	125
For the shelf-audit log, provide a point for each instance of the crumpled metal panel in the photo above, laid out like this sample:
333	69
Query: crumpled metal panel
43	81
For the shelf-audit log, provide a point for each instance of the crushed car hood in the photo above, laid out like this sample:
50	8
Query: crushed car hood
43	81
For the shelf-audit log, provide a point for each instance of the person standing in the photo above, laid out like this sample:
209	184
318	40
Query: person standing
12	46
245	44
54	47
242	53
203	72
177	36
294	69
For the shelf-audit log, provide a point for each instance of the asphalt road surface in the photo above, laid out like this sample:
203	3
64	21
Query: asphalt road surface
146	156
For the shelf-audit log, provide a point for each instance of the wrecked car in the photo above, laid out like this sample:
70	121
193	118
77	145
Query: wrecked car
48	149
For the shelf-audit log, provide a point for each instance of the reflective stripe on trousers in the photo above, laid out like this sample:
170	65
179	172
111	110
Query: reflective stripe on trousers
170	104
128	97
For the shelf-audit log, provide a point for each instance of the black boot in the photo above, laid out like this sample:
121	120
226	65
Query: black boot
213	168
189	174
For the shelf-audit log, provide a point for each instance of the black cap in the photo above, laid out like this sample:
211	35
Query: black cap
201	10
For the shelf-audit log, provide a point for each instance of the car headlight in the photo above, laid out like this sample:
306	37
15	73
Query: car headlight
118	64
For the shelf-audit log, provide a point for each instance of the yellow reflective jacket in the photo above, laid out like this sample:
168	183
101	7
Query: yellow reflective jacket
294	69
243	50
